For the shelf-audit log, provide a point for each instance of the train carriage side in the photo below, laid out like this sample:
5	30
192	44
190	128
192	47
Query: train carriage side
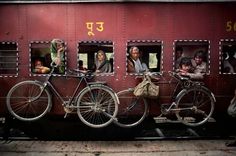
156	28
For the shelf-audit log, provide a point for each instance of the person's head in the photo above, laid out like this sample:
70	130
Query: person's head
38	63
101	56
58	43
185	64
199	57
178	52
80	63
134	53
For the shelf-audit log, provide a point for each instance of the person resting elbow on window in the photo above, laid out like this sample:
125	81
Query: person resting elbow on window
39	68
187	69
134	64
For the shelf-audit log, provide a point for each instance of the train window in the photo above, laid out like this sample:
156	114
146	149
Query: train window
192	49
40	58
96	56
149	54
8	58
228	57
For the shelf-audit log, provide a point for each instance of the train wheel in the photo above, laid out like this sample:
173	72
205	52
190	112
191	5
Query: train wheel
132	111
97	106
27	102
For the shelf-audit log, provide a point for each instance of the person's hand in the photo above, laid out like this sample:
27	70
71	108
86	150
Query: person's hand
183	72
61	49
57	61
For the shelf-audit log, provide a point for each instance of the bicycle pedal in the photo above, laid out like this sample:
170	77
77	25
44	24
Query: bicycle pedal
68	110
164	108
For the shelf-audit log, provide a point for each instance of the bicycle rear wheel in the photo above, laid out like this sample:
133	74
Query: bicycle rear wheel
132	111
27	101
194	106
97	106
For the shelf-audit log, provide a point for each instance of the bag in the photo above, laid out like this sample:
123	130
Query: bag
232	107
146	88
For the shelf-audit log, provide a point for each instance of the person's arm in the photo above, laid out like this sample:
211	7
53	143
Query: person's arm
195	76
130	67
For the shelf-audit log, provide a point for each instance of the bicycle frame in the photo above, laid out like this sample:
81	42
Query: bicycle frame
182	83
47	83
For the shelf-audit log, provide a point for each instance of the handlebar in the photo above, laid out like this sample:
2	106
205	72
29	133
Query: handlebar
83	73
178	76
149	74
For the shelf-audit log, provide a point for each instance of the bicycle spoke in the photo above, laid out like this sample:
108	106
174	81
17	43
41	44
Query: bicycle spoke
194	107
93	102
24	102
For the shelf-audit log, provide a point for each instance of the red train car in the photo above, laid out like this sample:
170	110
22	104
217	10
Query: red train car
155	27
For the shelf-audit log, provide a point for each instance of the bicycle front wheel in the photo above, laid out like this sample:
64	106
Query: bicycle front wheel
27	101
133	109
97	106
194	106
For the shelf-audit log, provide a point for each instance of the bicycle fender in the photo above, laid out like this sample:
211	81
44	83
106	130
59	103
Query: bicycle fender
212	94
109	88
181	92
206	89
46	88
99	84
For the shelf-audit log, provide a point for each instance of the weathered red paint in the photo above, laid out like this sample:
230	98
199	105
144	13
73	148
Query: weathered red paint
166	22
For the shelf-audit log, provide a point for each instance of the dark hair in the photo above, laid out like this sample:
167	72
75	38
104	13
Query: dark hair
185	61
200	54
80	63
178	48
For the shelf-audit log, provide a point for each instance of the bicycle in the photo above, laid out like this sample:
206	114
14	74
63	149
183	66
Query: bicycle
96	103
193	105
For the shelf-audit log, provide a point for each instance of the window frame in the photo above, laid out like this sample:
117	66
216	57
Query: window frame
101	43
197	42
30	58
221	42
142	43
16	74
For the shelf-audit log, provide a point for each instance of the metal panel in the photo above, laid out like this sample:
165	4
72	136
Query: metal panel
112	1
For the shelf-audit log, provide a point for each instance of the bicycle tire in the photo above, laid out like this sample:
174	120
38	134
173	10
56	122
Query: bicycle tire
202	103
20	101
97	106
133	109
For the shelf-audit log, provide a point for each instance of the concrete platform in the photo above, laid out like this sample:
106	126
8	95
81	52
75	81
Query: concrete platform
117	148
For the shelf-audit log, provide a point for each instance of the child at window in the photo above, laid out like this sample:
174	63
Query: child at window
39	68
186	69
81	66
198	62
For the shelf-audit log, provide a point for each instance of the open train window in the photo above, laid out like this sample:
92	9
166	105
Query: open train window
192	49
228	56
89	56
40	56
8	59
149	54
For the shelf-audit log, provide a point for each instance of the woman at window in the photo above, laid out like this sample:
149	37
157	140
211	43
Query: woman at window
57	50
134	64
102	65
